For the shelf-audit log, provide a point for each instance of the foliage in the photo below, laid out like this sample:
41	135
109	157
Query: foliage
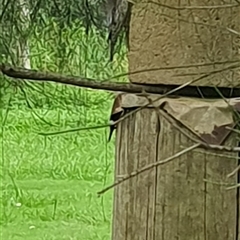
68	50
49	184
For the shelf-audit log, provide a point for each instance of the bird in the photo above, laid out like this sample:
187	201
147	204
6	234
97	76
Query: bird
112	128
116	114
117	16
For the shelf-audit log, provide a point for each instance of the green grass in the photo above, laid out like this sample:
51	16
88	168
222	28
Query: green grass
49	184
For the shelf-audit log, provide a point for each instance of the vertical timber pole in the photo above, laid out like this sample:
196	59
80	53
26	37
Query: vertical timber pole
184	199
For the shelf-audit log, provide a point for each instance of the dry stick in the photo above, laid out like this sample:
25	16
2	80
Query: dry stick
152	165
170	119
234	171
233	187
233	130
133	174
144	70
146	105
166	116
233	31
196	7
203	24
217	183
175	90
22	73
32	74
203	144
173	122
217	154
72	130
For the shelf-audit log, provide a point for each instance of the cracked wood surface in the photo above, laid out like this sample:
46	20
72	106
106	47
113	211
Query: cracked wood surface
171	201
184	33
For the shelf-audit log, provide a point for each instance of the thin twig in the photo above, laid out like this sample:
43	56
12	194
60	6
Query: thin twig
217	154
233	187
171	120
27	74
234	171
198	144
233	130
196	7
175	90
72	130
187	66
152	165
217	183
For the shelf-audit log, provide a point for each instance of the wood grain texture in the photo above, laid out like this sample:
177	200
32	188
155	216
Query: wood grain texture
161	36
238	196
221	205
171	201
180	207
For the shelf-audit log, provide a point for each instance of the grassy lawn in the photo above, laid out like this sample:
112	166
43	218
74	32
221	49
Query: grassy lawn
49	184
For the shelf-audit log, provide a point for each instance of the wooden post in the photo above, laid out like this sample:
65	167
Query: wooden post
173	42
178	41
184	199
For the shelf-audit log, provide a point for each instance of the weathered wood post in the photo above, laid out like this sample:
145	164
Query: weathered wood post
185	198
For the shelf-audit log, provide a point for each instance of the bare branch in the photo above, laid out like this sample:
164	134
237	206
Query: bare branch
137	172
23	73
196	7
233	187
173	122
72	130
199	143
173	91
217	183
234	171
186	66
217	155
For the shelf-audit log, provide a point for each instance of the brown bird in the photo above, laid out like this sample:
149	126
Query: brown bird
117	113
112	128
